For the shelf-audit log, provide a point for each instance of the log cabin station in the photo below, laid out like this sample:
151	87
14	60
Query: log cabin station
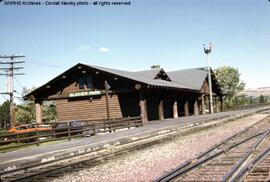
88	92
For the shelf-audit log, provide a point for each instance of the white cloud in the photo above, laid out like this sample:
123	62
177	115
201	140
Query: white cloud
83	48
104	49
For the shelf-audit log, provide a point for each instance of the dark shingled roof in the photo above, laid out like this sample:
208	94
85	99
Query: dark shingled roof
150	73
188	79
192	77
146	77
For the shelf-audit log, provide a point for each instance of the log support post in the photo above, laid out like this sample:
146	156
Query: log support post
38	110
186	108
214	104
217	105
203	105
221	104
143	108
196	109
160	110
175	109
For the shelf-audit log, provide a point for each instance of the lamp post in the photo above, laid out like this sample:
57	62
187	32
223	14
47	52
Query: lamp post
207	51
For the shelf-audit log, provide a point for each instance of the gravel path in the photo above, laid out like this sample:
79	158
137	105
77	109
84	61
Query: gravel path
151	162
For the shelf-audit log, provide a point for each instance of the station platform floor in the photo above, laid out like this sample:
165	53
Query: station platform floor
47	152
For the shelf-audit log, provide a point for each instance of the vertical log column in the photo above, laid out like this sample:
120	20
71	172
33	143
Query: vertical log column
143	108
214	104
217	104
221	104
203	105
12	115
175	109
38	111
196	109
160	110
186	108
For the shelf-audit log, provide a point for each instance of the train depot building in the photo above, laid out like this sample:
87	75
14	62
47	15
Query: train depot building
88	92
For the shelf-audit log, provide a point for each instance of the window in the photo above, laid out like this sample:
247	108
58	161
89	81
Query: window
89	82
85	81
81	82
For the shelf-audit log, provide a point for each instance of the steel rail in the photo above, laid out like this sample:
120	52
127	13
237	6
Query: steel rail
31	174
231	176
188	166
252	164
191	164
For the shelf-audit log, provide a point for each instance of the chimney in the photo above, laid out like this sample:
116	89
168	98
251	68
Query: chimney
155	66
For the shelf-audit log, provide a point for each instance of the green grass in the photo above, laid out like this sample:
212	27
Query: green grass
3	132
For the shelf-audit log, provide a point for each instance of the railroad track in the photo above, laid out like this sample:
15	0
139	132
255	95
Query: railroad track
39	172
258	169
229	160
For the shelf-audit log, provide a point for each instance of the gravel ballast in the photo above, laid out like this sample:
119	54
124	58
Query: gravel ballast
151	162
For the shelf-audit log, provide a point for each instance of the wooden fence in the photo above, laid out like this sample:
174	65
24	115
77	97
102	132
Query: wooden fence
247	106
68	131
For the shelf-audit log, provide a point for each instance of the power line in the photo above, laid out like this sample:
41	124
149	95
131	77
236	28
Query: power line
19	83
18	97
45	64
4	97
18	92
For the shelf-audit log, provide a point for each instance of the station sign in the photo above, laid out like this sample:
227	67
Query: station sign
86	93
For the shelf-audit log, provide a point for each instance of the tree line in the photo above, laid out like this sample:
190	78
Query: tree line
25	111
232	85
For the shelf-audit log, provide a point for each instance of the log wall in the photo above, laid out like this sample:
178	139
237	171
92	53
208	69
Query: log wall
68	109
122	105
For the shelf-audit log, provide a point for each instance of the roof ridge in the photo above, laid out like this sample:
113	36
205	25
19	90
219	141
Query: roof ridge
150	70
91	65
198	68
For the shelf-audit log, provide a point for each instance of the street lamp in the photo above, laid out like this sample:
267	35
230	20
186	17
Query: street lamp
207	51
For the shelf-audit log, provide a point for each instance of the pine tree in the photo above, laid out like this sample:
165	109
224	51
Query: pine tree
261	99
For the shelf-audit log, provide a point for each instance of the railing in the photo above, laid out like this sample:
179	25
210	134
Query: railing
86	128
248	106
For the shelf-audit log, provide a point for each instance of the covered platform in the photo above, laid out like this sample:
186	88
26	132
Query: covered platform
159	129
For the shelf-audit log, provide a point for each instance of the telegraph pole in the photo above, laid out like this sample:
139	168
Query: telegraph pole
207	51
10	74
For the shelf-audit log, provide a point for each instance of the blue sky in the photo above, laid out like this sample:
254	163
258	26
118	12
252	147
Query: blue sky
147	32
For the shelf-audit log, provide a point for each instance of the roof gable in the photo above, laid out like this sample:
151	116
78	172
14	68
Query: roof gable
162	75
155	74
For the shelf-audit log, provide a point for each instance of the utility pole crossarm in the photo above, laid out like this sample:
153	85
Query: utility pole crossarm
15	68
12	57
12	62
7	93
10	74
